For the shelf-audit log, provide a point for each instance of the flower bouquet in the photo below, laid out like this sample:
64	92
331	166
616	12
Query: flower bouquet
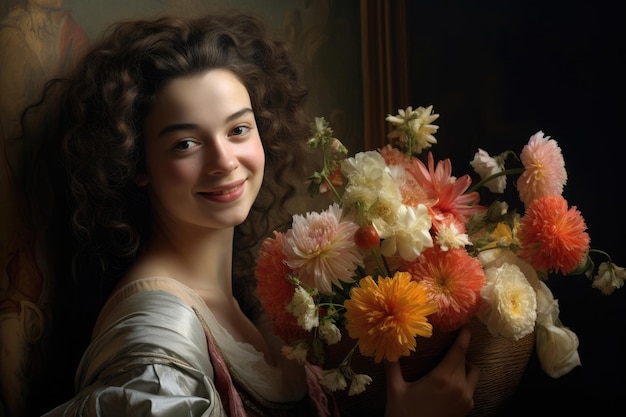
406	254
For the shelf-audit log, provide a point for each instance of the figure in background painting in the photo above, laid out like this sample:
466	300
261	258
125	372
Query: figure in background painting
38	40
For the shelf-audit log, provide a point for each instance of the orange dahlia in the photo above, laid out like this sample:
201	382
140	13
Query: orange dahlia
274	290
453	279
553	238
386	316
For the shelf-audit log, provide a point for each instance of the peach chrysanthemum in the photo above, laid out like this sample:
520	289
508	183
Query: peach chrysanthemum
553	238
454	280
386	316
393	156
274	290
412	193
320	248
448	192
544	169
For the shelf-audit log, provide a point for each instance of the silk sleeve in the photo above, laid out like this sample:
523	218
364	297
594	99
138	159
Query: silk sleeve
148	359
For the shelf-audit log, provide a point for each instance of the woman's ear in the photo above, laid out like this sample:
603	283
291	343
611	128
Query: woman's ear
141	180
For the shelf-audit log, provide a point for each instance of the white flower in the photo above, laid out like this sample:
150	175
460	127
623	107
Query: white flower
413	127
449	237
509	306
404	117
384	213
557	346
320	248
365	169
298	352
302	306
498	257
486	166
609	277
323	137
371	185
368	180
358	383
425	138
329	332
411	235
333	379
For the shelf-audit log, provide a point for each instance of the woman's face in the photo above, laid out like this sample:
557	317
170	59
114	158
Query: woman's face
204	156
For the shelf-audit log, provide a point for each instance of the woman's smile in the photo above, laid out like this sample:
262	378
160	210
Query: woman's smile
225	195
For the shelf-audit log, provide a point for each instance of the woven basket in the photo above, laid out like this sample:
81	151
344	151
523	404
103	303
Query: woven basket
501	361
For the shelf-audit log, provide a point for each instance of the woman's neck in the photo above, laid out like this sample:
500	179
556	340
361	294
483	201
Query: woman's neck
202	261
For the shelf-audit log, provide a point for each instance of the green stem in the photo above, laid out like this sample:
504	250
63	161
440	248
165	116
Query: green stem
601	252
336	306
379	266
332	188
496	175
348	358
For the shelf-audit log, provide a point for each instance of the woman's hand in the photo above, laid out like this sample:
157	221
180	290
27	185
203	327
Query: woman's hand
446	391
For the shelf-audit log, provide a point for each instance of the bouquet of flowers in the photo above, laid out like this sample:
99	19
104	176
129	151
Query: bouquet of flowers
404	247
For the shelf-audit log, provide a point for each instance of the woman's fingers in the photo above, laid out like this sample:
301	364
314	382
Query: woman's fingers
447	390
455	358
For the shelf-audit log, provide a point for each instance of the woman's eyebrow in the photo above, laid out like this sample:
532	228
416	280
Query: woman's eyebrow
239	114
183	126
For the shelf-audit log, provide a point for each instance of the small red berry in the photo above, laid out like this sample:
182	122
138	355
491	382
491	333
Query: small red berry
366	237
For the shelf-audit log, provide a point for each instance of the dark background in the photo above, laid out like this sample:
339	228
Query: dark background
498	72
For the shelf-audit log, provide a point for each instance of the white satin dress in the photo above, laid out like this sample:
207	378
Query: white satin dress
157	350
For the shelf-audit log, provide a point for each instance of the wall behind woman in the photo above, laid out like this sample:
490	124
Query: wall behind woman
323	34
497	72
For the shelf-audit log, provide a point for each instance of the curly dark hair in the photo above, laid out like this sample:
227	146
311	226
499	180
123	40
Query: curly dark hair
101	112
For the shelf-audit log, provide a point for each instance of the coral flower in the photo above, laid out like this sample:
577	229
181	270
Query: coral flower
336	180
544	169
448	192
387	316
274	290
552	237
454	280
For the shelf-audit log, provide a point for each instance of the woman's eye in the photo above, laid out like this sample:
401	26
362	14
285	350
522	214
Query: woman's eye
186	144
240	130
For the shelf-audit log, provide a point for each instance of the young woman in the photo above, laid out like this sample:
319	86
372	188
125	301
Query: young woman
177	137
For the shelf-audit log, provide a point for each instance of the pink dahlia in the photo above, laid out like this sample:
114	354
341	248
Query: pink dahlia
544	169
320	248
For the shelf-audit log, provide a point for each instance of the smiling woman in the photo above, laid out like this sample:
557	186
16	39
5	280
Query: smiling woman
167	181
168	154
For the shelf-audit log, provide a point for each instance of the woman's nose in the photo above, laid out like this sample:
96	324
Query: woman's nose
221	158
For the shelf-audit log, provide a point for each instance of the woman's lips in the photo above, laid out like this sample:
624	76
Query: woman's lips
225	195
